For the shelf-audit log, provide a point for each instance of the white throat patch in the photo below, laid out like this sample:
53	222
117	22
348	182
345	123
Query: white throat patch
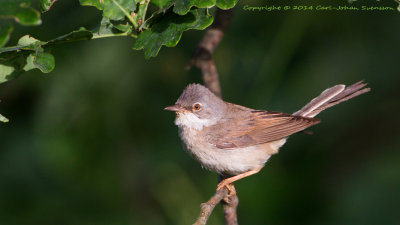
190	120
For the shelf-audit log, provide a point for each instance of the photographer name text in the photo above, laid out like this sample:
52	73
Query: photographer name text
269	8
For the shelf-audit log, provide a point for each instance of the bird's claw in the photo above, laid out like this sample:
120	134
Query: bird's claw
229	186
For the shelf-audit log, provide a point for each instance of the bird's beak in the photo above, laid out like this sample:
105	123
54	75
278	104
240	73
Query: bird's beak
174	108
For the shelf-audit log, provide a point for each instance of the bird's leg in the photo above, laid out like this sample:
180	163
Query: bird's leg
226	182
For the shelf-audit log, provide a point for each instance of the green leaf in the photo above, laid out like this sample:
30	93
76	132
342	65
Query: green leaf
42	61
76	35
28	42
167	30
29	63
95	3
114	12
45	5
5	31
5	71
11	64
3	119
181	7
108	28
226	4
20	11
111	9
123	27
162	4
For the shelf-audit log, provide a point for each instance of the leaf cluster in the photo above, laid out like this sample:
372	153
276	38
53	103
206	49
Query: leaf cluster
163	25
153	24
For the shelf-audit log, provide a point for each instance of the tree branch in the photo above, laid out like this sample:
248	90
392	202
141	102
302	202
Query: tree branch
202	59
229	205
208	207
229	201
202	56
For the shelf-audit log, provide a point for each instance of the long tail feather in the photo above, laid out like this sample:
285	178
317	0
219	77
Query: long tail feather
331	97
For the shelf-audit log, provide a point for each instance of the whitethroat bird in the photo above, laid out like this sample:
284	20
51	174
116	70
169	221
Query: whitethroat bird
235	141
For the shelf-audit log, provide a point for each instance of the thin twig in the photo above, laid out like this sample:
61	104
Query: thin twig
51	4
202	56
208	207
229	204
202	59
228	199
229	208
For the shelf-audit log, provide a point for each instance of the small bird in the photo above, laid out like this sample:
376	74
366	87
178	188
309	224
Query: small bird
235	141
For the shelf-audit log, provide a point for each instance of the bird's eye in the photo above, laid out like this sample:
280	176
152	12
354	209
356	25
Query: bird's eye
197	107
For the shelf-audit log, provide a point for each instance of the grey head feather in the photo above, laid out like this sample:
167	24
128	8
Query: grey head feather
211	105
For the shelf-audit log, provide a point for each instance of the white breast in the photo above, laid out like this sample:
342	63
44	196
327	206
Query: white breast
191	121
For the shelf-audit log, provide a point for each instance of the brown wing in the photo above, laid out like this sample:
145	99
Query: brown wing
257	127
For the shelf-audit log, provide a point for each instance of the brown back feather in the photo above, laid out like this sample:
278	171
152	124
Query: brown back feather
258	127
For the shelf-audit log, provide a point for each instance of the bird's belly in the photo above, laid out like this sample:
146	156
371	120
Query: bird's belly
228	161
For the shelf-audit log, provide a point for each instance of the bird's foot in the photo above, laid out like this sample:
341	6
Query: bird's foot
231	190
228	185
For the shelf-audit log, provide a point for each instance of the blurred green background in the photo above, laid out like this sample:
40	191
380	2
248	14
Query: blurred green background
90	143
